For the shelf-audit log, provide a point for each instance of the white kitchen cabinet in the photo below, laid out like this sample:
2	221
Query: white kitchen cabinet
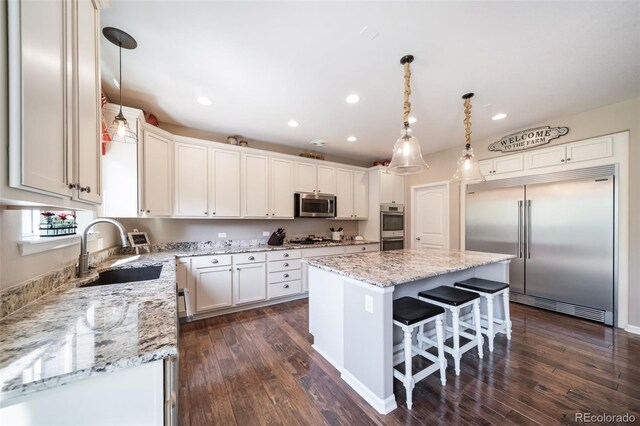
508	164
361	195
391	188
190	180
344	194
352	194
362	248
224	183
545	157
315	178
255	184
281	185
591	149
156	163
250	283
214	287
306	179
54	135
326	180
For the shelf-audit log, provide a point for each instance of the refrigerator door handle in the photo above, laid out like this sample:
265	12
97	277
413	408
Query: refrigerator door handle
520	229
528	229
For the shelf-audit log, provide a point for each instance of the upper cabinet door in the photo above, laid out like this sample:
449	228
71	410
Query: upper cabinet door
391	188
255	196
512	163
224	183
486	167
281	188
589	150
190	165
360	195
326	180
545	157
398	189
344	194
87	114
157	175
305	177
40	96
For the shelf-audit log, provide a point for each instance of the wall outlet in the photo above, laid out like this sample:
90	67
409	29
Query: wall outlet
266	234
368	303
222	235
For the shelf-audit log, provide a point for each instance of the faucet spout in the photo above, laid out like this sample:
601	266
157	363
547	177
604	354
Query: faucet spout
83	264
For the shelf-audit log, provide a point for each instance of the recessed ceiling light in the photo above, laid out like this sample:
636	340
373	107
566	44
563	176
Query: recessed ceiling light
116	82
412	120
318	142
499	116
352	139
204	101
353	99
293	123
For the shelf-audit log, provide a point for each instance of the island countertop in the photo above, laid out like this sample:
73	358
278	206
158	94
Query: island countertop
394	267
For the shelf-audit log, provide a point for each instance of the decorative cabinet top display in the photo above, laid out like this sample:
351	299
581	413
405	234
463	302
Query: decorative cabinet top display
182	177
55	139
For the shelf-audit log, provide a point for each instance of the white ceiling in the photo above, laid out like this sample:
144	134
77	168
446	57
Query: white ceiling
265	63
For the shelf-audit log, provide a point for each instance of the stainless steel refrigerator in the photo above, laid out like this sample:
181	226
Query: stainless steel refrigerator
562	233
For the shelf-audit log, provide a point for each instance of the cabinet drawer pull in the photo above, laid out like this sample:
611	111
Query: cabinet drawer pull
562	161
364	248
214	260
285	255
568	159
286	286
285	265
286	275
252	258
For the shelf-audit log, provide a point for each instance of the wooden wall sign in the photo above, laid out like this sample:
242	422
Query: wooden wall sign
530	138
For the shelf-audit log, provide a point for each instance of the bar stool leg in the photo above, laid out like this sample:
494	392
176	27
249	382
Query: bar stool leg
476	320
408	376
455	322
443	360
490	333
507	316
420	336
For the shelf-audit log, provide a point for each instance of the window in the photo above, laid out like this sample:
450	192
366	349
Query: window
59	222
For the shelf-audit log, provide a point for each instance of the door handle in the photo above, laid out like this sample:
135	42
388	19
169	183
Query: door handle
528	228
519	229
187	303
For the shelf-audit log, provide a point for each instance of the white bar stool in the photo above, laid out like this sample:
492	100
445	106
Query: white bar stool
409	313
454	300
491	290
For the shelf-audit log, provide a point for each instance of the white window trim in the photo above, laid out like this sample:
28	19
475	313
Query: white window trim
35	245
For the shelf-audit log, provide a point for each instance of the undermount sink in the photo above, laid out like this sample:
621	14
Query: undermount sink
119	276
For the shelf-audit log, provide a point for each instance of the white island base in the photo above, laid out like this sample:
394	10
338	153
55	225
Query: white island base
352	325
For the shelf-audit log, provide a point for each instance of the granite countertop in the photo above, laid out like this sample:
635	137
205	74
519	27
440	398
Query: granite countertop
390	268
77	332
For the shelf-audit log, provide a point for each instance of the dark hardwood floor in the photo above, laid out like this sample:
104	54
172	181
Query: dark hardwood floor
258	367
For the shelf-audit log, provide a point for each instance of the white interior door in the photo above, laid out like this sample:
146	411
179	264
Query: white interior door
430	216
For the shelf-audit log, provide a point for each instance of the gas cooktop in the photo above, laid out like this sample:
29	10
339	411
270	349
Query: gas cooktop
310	240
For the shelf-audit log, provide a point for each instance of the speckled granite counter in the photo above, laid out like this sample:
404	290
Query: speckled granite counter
76	332
389	268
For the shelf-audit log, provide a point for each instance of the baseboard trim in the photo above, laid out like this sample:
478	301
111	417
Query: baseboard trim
634	329
246	307
332	361
382	406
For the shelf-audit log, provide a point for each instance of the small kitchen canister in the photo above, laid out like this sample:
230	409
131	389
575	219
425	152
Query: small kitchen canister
336	236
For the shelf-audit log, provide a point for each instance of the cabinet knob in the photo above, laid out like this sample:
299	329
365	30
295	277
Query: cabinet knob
206	213
568	159
86	189
286	265
148	211
364	248
418	238
252	258
214	260
273	214
286	286
286	275
267	214
230	269
562	161
74	186
285	255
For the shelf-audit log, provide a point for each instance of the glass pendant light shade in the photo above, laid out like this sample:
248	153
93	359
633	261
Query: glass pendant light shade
119	130
407	156
468	168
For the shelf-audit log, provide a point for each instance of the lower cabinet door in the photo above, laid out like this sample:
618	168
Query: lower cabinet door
250	283
214	288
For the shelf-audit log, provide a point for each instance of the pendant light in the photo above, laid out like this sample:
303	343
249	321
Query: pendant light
407	157
468	167
119	130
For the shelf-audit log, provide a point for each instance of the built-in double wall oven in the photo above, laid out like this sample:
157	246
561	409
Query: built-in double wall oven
391	227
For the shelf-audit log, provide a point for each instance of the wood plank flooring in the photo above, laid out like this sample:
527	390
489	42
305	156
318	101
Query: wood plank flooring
257	367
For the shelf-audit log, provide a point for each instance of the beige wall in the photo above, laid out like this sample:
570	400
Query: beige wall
177	230
267	146
601	121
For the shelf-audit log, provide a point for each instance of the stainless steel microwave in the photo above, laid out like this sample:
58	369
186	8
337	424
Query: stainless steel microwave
314	205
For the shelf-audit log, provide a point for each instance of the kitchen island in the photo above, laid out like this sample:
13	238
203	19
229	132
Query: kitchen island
351	307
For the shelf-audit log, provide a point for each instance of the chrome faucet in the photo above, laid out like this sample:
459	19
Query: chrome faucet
83	264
